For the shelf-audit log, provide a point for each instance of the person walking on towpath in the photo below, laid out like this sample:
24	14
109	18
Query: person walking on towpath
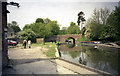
24	43
29	43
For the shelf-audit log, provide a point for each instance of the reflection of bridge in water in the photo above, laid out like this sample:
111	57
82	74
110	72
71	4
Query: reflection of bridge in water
63	38
78	51
82	58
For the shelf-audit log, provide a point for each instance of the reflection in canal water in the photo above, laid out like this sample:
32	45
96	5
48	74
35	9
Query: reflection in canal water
102	59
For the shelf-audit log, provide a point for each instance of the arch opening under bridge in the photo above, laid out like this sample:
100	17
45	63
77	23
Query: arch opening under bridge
72	41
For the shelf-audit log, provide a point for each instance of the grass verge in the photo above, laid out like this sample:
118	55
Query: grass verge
51	50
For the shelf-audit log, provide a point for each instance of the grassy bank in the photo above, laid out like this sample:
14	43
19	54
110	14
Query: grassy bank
50	46
51	49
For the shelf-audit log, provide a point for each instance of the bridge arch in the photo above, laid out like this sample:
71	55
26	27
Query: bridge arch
71	38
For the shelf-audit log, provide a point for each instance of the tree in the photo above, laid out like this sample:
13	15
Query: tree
96	30
114	20
54	28
97	23
39	29
81	18
108	33
111	30
39	20
100	15
73	29
42	30
93	31
14	26
96	16
27	26
83	30
63	31
28	35
47	20
72	24
104	14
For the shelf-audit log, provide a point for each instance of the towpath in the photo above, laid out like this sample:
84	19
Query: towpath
33	61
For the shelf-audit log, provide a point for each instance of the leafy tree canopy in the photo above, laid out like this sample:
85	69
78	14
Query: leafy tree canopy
104	25
14	26
39	20
28	35
73	29
42	30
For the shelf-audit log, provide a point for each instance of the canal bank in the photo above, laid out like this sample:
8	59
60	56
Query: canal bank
98	43
102	58
111	45
79	68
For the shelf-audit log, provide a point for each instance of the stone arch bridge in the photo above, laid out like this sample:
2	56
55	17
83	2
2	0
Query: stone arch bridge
63	38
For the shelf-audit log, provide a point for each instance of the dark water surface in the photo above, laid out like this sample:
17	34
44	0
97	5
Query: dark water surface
102	58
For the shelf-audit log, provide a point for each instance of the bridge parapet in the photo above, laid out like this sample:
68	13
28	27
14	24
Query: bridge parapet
63	38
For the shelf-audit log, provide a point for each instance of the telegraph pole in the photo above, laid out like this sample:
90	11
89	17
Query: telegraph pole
3	33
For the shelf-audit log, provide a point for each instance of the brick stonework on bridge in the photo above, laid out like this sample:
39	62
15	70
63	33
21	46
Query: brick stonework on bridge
63	38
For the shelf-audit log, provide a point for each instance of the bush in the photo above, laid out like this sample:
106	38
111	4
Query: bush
28	35
84	39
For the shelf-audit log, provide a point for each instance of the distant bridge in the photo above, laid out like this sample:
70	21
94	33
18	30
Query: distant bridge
63	38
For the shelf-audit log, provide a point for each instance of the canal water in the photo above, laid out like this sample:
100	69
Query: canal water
102	58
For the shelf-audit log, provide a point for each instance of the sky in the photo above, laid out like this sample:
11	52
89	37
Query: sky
63	11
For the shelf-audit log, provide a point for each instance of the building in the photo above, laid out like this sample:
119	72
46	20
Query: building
11	33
